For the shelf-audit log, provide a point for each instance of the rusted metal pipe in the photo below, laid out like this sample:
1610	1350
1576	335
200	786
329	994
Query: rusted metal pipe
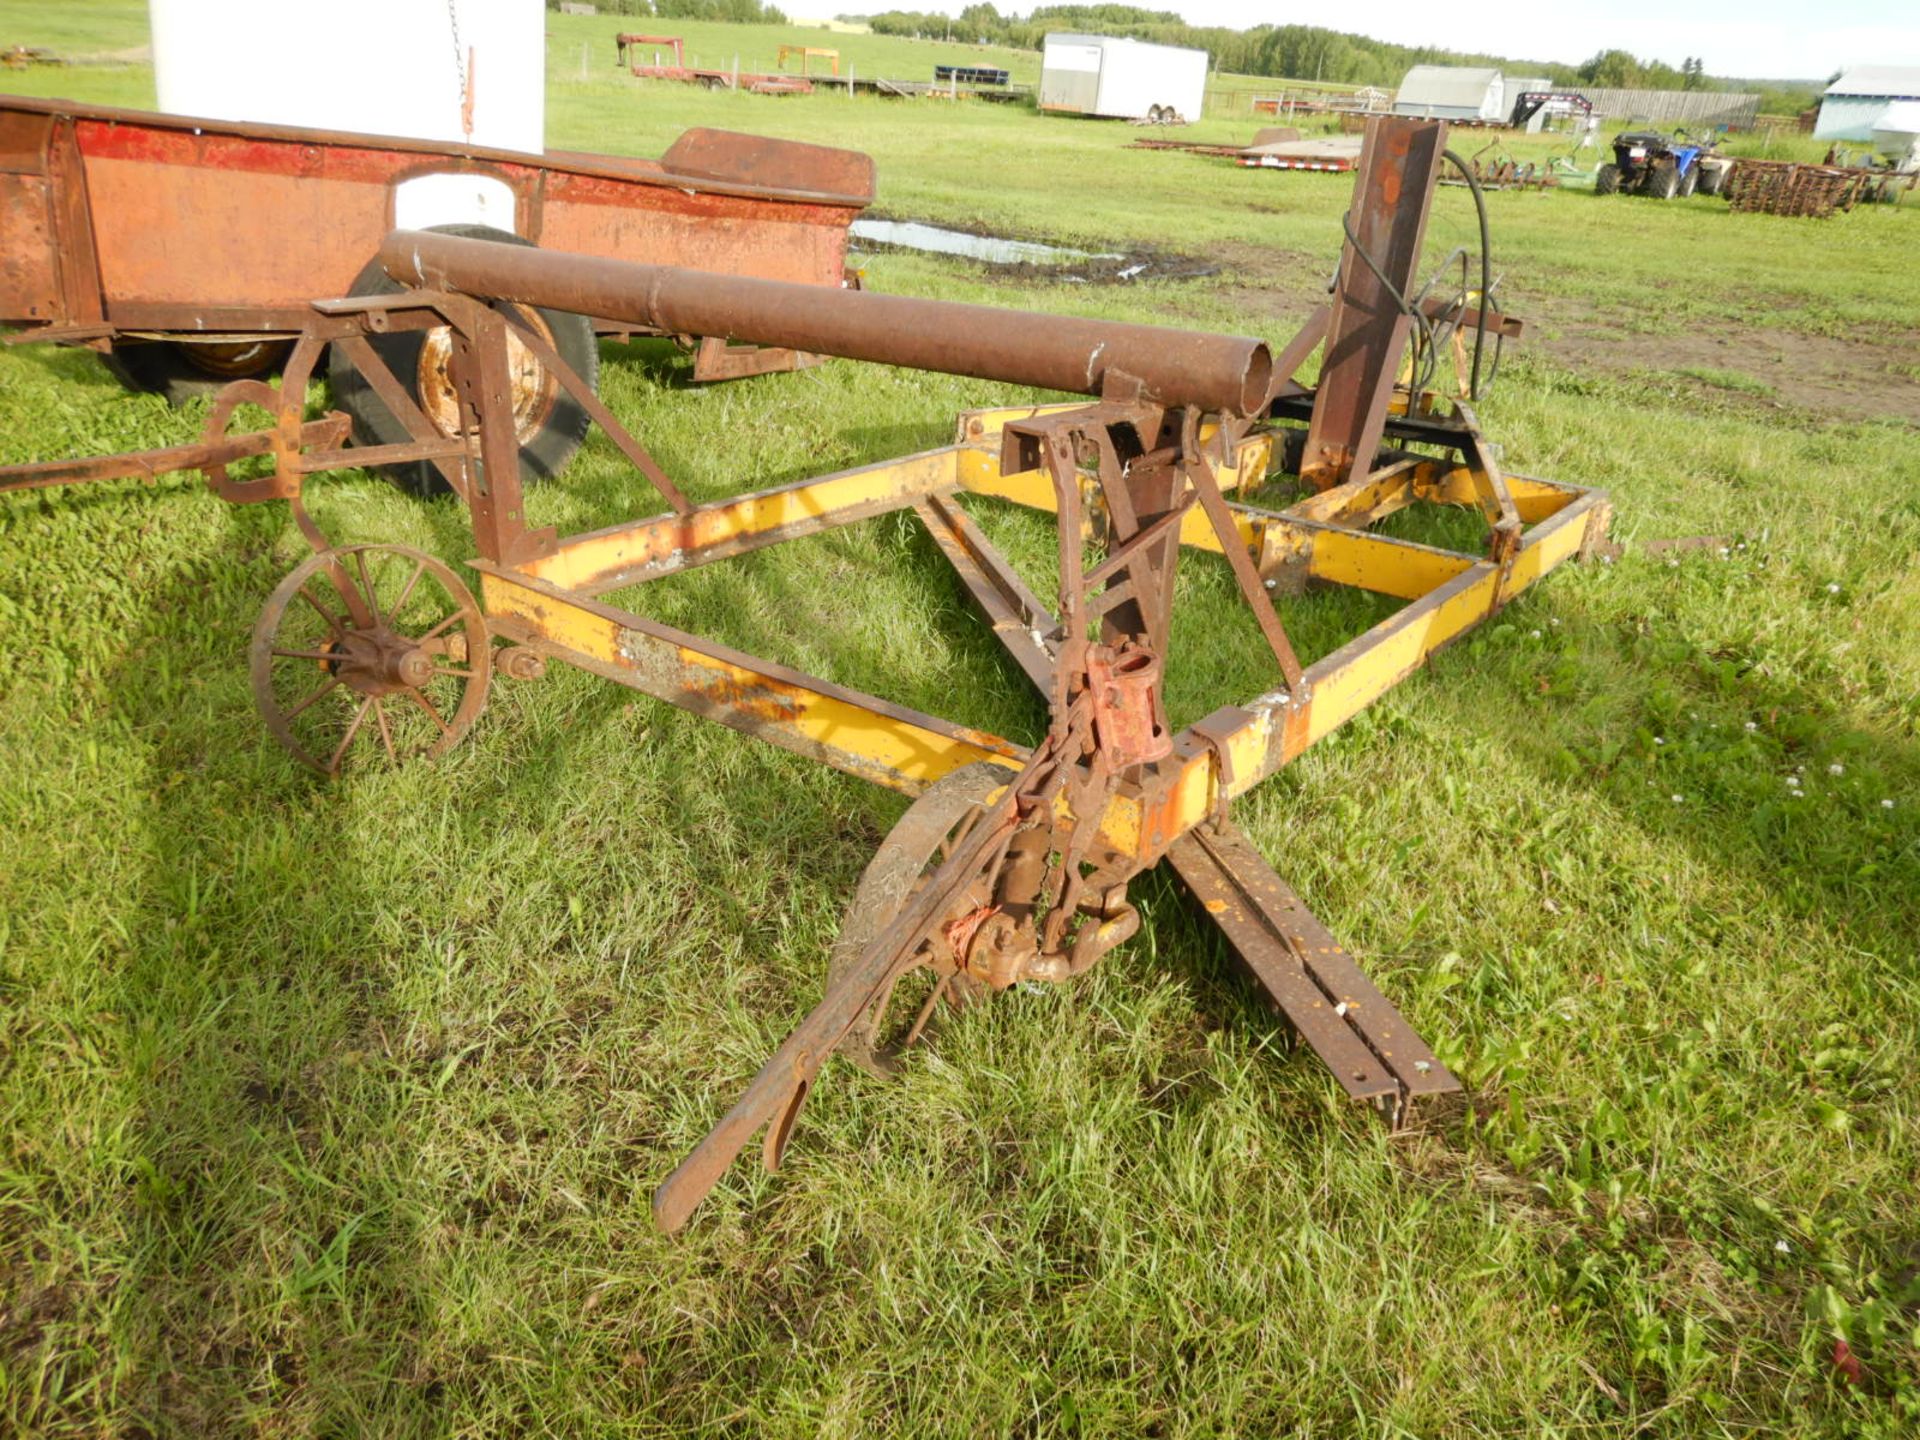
149	465
1050	352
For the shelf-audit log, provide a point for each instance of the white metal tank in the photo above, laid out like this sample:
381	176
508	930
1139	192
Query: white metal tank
1896	134
379	67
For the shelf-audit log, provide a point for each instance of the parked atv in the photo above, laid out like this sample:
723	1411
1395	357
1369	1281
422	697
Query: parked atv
1646	162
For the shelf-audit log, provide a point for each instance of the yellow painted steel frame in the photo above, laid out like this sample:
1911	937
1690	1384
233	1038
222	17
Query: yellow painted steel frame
550	603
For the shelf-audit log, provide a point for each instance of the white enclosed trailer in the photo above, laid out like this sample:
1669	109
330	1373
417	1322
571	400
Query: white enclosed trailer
1120	78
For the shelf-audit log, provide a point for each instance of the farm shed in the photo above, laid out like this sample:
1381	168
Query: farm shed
1451	92
1861	96
1124	79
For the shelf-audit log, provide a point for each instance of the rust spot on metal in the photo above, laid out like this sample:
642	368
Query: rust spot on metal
756	699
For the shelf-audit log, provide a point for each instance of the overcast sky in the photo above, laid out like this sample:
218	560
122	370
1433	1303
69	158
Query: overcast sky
1773	39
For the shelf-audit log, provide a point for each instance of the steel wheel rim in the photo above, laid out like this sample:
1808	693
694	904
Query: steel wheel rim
534	390
930	830
370	650
237	359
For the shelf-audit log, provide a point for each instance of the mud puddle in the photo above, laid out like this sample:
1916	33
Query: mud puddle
1027	259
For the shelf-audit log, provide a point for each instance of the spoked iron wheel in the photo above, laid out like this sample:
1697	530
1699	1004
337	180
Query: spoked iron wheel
933	827
370	653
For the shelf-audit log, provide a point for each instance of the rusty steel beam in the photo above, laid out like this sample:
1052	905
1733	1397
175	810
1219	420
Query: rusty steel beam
1368	329
1050	352
150	465
1308	975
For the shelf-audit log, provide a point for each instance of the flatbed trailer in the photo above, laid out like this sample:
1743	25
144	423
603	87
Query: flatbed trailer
1336	156
629	48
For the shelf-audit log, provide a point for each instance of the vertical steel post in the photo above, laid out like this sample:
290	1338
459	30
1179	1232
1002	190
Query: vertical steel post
1368	330
484	384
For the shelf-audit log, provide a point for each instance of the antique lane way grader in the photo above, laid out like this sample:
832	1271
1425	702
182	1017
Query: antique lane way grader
1012	864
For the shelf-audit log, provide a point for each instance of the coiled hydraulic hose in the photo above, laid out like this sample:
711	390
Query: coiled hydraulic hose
1427	338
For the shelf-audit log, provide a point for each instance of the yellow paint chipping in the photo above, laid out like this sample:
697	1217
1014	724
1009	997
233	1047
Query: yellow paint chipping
846	730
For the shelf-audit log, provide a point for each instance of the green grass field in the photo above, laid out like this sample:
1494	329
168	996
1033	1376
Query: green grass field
333	1110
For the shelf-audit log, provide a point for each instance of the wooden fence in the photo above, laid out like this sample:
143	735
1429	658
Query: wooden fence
1702	109
1696	109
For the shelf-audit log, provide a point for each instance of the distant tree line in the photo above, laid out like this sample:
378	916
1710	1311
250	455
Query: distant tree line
1298	52
740	12
1295	52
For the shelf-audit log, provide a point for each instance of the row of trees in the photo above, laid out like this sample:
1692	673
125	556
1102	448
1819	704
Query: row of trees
1302	52
1294	52
1298	52
1618	70
740	12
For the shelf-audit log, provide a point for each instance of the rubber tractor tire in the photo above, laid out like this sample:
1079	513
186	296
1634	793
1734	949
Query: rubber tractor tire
182	370
550	422
1606	180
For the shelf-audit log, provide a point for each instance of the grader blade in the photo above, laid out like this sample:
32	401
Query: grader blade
913	935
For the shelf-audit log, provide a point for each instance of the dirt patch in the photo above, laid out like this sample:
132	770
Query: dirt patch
1112	269
1300	276
1852	378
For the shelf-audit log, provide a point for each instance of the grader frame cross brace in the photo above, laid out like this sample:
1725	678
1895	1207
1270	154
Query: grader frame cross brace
1012	864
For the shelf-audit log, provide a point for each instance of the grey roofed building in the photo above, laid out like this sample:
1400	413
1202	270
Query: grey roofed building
1451	92
1861	96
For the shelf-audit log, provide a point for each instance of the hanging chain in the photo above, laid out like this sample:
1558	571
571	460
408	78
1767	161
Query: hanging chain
460	67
